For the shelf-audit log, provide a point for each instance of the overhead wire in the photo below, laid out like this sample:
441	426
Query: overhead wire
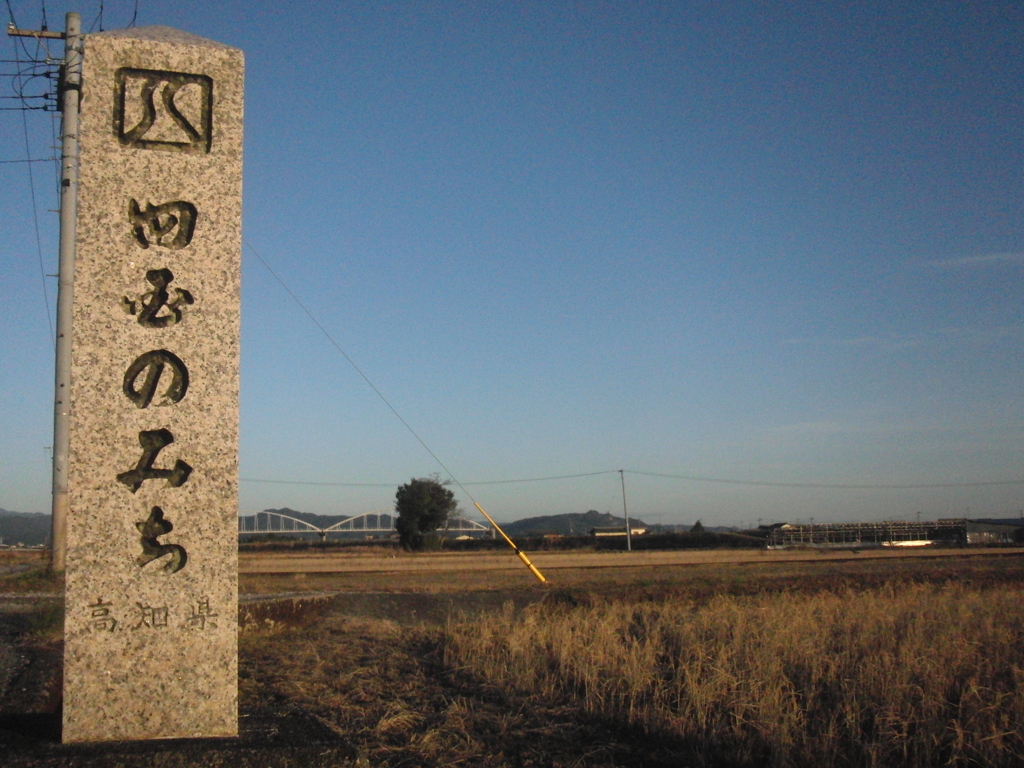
828	486
10	12
20	84
350	361
687	478
543	479
390	485
20	40
519	553
98	19
25	75
41	42
315	483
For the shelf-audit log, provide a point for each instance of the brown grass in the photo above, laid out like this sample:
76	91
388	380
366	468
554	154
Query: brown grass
914	674
384	689
907	661
825	660
706	572
25	571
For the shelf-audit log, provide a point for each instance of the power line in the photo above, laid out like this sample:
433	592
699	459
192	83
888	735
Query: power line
10	12
357	369
32	193
687	478
835	486
316	483
543	479
98	19
519	553
391	485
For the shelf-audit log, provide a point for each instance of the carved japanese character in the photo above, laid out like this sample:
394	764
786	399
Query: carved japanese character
152	442
153	363
169	225
186	103
100	618
151	302
202	616
150	617
151	529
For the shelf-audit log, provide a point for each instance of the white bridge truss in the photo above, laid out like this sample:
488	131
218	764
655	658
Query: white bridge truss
379	522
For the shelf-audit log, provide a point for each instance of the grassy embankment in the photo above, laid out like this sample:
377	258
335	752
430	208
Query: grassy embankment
911	674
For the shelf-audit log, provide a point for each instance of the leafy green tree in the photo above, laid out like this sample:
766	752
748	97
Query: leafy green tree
423	505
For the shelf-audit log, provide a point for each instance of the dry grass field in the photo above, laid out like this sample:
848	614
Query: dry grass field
909	674
704	658
683	658
390	570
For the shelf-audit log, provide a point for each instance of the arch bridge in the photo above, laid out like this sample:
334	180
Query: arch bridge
380	522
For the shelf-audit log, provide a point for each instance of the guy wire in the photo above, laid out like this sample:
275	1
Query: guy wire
434	456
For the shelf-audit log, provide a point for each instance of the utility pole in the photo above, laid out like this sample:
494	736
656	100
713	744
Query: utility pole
625	512
70	89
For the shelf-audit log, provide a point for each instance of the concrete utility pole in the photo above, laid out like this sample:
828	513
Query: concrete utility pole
625	512
71	82
66	282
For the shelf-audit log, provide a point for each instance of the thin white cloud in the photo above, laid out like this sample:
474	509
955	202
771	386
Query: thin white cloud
891	343
964	335
982	336
990	259
810	428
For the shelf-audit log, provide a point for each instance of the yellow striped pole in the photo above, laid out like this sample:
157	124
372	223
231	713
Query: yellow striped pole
522	555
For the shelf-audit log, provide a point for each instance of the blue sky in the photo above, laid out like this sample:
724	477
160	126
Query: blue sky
766	242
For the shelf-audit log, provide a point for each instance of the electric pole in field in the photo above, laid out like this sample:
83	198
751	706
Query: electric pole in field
69	91
625	512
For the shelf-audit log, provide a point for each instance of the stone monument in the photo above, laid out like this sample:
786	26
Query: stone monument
152	587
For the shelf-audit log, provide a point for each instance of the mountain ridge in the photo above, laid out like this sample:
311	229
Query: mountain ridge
569	524
28	528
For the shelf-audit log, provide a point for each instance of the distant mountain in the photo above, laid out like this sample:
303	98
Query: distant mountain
572	524
28	528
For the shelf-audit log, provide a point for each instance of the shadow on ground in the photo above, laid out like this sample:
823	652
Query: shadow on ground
354	680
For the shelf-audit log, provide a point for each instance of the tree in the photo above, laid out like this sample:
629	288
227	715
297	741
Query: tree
698	527
423	505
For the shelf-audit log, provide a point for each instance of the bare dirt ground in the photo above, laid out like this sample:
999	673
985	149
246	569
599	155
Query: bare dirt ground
341	662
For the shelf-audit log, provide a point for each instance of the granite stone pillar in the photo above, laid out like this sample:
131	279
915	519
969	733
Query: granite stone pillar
152	591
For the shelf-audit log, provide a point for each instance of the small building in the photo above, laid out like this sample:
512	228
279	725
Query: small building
617	531
993	533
